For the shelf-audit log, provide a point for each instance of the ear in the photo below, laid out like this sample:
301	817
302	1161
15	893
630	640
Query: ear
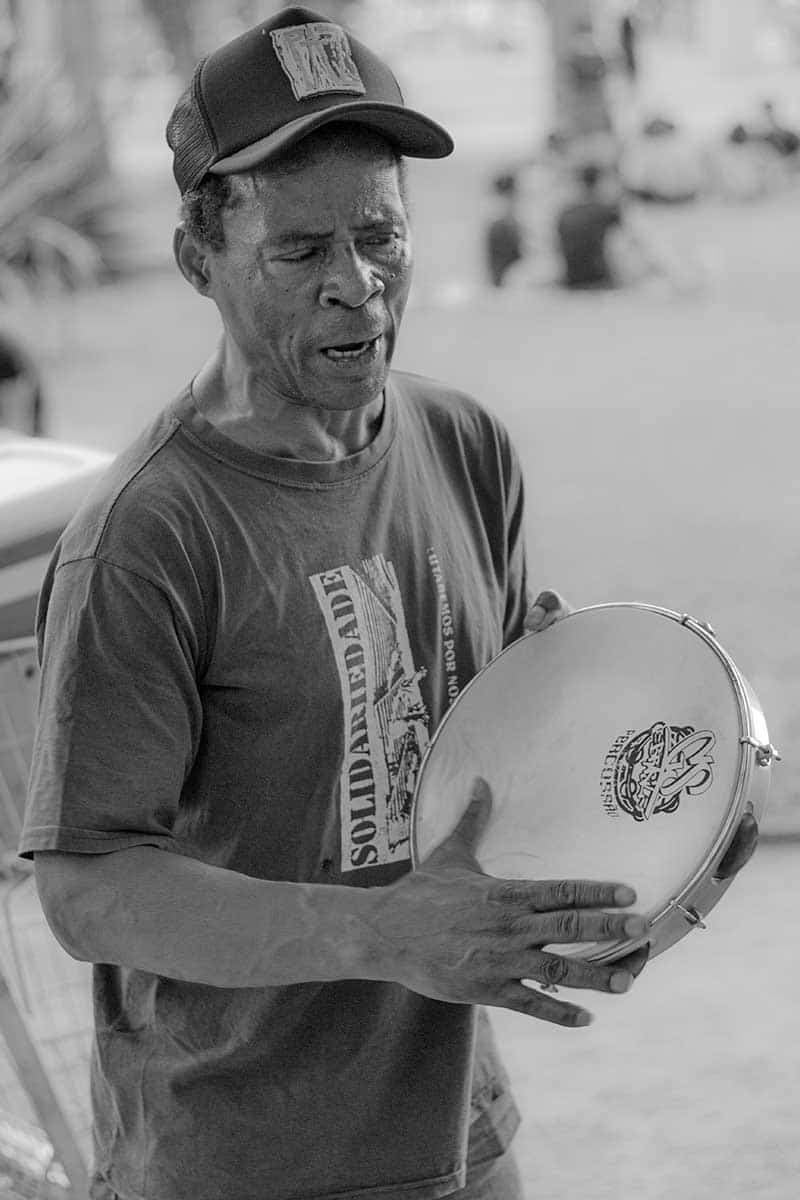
192	260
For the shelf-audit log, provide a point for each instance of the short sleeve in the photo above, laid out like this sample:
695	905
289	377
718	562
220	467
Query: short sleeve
119	713
516	586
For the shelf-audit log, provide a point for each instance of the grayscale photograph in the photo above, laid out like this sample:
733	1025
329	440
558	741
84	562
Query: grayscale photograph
399	666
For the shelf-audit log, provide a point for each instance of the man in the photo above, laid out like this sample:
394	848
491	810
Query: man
583	227
628	41
248	635
504	238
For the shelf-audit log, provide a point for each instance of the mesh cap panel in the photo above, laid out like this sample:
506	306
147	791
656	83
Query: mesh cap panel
188	137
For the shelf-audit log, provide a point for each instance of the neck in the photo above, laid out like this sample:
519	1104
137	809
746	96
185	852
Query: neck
234	399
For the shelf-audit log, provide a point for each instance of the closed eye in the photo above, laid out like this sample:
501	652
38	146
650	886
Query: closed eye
300	255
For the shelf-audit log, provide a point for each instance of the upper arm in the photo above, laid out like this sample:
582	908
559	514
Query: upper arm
119	715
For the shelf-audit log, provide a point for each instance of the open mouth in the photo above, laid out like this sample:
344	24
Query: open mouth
351	351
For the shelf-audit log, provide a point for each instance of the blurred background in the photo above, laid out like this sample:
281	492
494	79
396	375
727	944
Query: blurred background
611	262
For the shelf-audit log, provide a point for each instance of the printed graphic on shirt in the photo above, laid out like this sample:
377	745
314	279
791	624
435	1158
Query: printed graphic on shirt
386	723
448	632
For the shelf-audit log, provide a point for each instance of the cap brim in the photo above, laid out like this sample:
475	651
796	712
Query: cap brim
414	135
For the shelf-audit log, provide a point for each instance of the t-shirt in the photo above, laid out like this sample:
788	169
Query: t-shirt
582	232
244	659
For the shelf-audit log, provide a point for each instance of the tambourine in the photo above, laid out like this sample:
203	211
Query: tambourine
621	744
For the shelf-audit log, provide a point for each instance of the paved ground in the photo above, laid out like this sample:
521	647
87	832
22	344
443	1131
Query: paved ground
688	1088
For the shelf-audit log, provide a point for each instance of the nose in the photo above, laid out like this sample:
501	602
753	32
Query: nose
350	280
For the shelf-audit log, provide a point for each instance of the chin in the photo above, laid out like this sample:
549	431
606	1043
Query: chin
353	393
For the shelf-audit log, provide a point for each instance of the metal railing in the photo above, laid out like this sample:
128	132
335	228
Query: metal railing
45	996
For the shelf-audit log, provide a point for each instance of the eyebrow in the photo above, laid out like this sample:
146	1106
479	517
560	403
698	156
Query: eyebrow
297	235
292	236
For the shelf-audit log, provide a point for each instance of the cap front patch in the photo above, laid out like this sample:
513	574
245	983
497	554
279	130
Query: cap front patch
316	59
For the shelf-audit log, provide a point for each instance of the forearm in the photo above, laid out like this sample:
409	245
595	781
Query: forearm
185	919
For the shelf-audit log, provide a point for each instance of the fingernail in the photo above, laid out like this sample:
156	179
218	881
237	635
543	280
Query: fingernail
621	981
624	895
583	1018
636	926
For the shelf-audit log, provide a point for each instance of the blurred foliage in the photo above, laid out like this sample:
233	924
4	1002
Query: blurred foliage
190	28
176	23
58	203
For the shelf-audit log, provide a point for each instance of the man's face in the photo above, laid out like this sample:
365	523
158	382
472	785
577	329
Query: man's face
315	273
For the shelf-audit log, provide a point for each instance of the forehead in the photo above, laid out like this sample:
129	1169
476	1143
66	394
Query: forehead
328	179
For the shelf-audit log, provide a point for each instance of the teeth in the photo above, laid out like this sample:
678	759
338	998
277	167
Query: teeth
353	351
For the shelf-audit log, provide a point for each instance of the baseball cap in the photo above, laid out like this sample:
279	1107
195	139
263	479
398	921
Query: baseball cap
270	87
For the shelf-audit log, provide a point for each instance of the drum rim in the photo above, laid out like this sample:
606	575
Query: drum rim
747	706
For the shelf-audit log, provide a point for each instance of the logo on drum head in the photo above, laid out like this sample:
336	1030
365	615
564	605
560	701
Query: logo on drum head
650	772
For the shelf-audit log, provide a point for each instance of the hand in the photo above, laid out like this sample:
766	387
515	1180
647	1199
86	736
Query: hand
448	931
547	608
741	849
737	855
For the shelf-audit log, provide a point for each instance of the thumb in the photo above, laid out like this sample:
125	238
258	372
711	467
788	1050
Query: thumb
459	846
546	609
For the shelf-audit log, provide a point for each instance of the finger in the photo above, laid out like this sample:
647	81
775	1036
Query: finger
467	833
741	849
550	601
549	895
554	970
547	608
534	1003
635	962
574	925
535	618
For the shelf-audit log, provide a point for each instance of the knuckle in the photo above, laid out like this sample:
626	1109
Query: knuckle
611	925
565	893
568	926
507	923
505	891
508	915
554	970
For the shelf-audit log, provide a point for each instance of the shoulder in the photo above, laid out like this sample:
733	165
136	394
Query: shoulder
456	435
447	409
133	514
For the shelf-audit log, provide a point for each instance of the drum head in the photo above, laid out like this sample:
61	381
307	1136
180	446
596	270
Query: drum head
611	743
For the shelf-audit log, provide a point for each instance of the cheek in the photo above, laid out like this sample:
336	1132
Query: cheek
402	272
399	286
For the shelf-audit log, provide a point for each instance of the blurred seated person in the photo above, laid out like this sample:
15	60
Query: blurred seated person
662	164
628	37
545	181
504	236
604	244
740	166
583	226
783	140
21	399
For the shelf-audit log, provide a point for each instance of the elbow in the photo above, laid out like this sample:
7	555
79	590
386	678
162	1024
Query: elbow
61	888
